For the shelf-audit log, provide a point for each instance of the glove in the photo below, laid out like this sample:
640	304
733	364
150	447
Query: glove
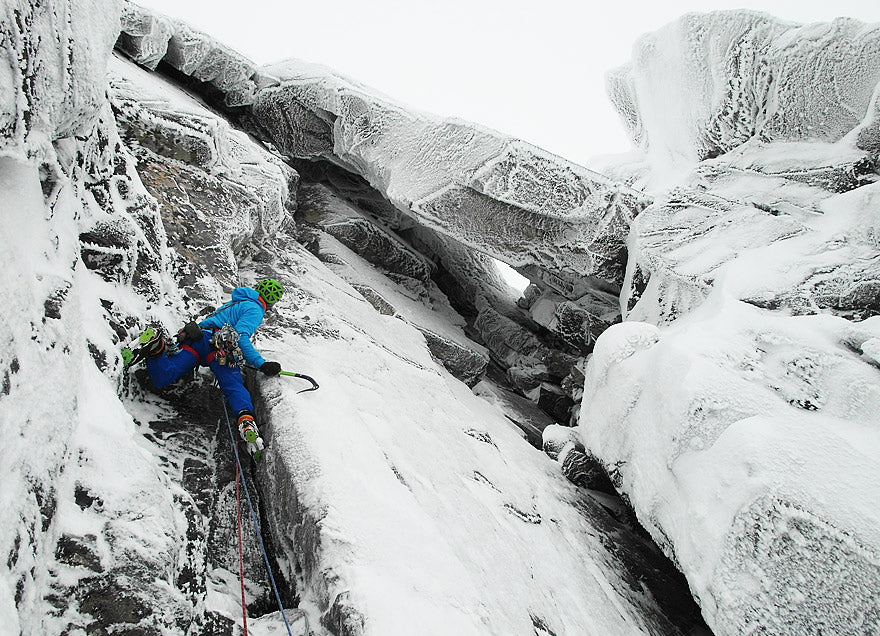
270	368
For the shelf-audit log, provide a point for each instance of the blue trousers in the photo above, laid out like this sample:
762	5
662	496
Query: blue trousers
167	369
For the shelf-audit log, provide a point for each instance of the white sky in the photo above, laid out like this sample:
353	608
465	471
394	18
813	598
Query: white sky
532	70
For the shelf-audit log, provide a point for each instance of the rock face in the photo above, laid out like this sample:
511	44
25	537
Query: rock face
735	407
764	425
457	193
737	401
216	189
144	206
32	111
483	190
487	191
744	75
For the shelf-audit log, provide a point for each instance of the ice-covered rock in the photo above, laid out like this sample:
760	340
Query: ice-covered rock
145	34
741	422
478	188
216	188
742	75
747	443
399	283
367	238
363	503
463	362
499	195
555	437
579	322
810	252
512	344
52	71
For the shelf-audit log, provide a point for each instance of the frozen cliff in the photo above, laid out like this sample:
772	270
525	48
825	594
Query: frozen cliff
737	404
701	322
402	497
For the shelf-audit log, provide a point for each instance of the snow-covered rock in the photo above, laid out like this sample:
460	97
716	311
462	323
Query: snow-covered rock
774	242
144	36
736	406
747	444
743	75
52	72
736	415
216	188
394	487
499	195
564	226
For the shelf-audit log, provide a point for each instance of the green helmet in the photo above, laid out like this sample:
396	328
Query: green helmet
270	290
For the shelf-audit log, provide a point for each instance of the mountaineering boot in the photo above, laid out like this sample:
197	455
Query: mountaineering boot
256	449
150	344
249	433
248	428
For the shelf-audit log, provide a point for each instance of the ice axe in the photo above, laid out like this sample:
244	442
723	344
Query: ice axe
302	376
291	374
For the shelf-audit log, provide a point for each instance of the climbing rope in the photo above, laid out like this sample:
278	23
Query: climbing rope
240	550
239	471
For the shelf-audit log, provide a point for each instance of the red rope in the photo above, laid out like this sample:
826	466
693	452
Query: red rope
240	550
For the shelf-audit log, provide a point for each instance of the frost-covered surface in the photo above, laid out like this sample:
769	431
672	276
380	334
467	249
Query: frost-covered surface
216	187
749	447
399	501
737	405
497	194
486	190
744	75
392	277
820	249
148	38
413	504
52	77
94	517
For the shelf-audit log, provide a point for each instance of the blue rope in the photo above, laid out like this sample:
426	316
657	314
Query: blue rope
254	519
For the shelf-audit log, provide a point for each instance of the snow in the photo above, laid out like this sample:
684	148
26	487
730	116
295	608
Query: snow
731	412
68	427
737	407
736	411
743	73
59	52
486	190
433	513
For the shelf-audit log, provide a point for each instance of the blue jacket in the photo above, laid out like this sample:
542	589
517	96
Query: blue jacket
244	313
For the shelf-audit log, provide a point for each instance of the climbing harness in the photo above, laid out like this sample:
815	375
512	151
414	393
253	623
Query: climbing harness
240	472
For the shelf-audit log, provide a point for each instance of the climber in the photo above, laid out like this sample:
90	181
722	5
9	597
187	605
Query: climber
219	341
